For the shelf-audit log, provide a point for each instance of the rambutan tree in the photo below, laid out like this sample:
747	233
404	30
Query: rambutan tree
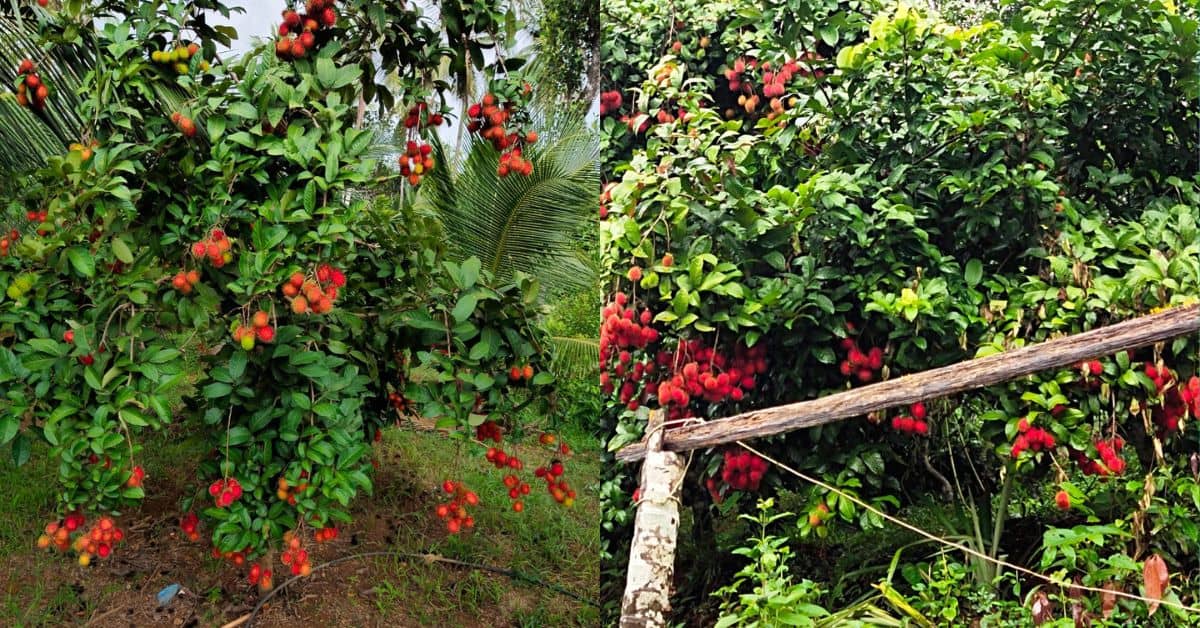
805	197
218	248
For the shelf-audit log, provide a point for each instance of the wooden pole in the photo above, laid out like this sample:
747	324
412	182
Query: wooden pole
647	601
939	382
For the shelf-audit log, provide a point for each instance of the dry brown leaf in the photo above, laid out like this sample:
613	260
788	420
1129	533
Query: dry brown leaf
1042	608
1108	599
1074	592
1154	577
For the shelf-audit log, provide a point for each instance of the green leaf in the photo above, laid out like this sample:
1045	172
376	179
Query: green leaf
92	379
216	390
345	76
48	346
216	127
270	237
829	34
8	428
243	138
82	260
483	381
326	72
469	273
323	452
314	371
237	365
310	197
332	163
133	417
243	109
121	250
420	319
973	273
21	447
237	435
465	307
109	376
489	341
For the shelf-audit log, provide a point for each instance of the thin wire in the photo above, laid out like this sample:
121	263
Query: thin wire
958	546
427	558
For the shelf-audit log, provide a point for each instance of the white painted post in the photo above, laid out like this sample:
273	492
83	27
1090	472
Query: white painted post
652	557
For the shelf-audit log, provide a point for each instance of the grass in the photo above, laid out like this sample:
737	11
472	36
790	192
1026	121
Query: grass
546	542
28	491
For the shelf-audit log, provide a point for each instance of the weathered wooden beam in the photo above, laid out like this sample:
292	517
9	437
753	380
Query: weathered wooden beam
939	382
652	556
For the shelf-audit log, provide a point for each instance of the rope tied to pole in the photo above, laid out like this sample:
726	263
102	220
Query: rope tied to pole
687	465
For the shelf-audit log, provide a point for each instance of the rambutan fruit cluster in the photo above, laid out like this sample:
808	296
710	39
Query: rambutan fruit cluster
454	512
316	297
487	118
420	116
225	491
416	162
1031	438
488	430
32	90
610	102
743	470
216	248
862	365
298	32
914	422
1174	406
555	484
1110	463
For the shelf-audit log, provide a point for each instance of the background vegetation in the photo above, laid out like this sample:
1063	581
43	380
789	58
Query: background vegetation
815	180
131	389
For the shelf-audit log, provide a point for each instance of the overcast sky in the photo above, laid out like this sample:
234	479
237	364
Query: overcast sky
259	20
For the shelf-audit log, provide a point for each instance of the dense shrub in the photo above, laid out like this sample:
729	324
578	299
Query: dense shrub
212	252
806	196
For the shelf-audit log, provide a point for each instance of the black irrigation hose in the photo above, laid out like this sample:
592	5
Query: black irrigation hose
428	558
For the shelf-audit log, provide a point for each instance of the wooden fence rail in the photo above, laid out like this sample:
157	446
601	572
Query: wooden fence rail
939	382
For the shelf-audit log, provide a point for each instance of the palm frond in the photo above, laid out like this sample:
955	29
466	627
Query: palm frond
27	137
517	223
575	356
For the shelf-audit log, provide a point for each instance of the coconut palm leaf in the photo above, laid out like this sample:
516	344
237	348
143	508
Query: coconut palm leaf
27	137
517	223
575	356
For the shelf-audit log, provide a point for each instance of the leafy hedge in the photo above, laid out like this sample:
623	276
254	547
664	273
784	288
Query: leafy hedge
822	178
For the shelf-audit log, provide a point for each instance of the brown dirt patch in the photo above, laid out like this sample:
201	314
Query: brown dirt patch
43	589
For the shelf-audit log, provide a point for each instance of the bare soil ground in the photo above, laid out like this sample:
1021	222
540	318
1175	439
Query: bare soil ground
547	542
